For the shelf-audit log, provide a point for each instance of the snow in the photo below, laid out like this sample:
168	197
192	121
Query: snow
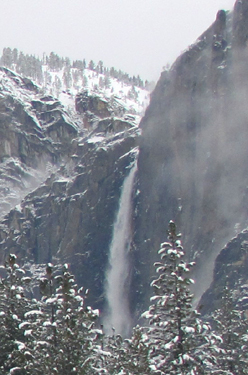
51	300
95	139
18	208
28	332
12	85
14	370
117	89
147	315
23	324
20	345
189	330
47	323
42	343
102	352
153	298
32	313
168	346
172	252
95	312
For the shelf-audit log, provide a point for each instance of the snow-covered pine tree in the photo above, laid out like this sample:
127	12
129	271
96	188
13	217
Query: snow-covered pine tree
179	340
13	306
66	337
125	356
91	65
232	326
67	77
112	354
7	58
137	353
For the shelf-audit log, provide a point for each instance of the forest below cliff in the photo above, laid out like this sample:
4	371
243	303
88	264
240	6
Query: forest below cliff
58	333
42	70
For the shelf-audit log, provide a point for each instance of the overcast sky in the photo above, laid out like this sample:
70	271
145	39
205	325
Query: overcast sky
137	36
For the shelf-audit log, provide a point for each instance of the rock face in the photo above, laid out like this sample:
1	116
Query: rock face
92	103
60	184
30	137
193	151
69	218
61	174
230	270
95	109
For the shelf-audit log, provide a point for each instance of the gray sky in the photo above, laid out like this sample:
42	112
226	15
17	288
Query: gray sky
136	36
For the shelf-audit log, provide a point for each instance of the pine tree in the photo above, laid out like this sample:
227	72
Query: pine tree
54	62
58	85
85	81
231	325
7	58
125	356
179	341
137	352
78	64
65	339
91	65
67	78
115	360
13	306
15	55
100	67
101	82
21	64
107	81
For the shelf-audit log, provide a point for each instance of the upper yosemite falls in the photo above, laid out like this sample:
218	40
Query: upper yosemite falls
92	172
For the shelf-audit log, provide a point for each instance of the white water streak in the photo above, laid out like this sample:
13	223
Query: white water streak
117	278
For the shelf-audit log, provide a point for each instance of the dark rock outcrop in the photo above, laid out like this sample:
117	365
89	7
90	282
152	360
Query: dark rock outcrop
92	103
230	271
113	125
27	142
95	109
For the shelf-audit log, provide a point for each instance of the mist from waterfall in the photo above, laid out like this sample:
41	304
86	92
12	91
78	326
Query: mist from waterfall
117	276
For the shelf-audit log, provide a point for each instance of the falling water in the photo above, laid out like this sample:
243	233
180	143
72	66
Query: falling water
118	313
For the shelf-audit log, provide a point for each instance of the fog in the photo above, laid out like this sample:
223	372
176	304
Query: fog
137	36
195	146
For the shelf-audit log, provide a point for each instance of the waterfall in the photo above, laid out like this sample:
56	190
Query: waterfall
117	276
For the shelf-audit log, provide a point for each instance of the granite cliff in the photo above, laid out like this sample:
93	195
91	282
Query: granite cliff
193	150
61	177
62	170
